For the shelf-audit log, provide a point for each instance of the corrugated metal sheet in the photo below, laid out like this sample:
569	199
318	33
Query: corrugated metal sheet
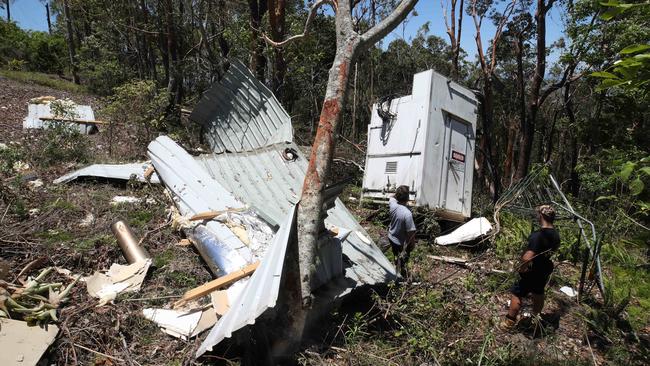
35	111
261	291
194	192
239	113
272	185
112	171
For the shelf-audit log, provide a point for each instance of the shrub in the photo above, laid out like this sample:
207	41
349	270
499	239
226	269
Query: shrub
140	104
61	143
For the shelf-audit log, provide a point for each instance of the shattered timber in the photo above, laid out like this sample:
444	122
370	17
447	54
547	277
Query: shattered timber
222	225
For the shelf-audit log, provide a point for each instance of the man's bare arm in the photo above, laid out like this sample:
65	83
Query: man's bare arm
526	261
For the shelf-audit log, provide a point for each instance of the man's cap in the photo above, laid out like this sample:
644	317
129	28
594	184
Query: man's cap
547	211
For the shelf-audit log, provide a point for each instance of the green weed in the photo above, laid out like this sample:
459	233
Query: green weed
182	279
163	258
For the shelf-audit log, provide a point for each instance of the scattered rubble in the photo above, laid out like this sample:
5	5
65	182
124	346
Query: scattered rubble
118	279
118	200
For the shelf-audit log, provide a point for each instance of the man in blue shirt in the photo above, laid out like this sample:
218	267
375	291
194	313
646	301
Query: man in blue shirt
401	232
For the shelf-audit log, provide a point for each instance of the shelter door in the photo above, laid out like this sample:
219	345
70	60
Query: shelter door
457	144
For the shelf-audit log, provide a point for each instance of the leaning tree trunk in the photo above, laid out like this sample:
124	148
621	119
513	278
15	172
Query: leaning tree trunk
310	214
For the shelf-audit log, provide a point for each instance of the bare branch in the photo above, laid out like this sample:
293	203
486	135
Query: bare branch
565	79
502	22
312	14
374	34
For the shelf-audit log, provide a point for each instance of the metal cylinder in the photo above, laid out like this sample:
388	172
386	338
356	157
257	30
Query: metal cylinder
127	242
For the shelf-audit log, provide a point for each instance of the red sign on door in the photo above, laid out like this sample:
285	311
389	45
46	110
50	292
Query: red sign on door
458	156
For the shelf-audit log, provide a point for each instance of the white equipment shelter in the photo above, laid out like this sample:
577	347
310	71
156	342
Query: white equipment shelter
425	141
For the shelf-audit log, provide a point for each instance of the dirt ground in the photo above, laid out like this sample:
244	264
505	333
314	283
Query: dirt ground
445	314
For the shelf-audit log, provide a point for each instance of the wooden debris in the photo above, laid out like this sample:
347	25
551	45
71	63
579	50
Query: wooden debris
149	172
209	287
81	121
452	260
209	215
184	243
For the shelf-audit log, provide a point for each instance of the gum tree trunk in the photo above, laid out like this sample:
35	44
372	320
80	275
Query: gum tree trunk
348	45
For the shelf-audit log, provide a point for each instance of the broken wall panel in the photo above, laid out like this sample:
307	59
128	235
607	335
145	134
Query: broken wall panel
239	113
42	110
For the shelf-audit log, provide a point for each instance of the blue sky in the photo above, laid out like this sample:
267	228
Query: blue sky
30	14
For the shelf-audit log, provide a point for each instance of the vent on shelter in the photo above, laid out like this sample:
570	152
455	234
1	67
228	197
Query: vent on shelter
391	167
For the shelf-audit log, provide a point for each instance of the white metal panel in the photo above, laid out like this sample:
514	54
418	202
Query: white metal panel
391	172
112	171
400	142
36	111
447	98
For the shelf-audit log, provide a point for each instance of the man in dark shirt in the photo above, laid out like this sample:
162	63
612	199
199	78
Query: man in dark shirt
536	266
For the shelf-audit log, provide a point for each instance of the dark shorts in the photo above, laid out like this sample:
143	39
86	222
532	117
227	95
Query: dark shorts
530	283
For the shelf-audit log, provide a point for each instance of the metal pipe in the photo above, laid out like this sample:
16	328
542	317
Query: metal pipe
127	242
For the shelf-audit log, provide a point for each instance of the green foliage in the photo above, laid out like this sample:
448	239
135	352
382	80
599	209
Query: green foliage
139	103
9	156
511	240
16	65
631	72
99	67
163	258
31	50
356	328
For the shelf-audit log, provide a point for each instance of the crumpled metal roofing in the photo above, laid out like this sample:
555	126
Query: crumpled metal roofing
35	111
194	191
267	182
239	113
112	171
261	292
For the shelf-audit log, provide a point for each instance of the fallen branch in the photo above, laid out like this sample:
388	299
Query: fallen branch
98	353
453	260
350	162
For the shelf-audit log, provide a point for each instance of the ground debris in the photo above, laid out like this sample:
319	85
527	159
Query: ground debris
119	278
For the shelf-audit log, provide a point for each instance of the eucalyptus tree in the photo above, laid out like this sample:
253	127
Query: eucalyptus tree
349	43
